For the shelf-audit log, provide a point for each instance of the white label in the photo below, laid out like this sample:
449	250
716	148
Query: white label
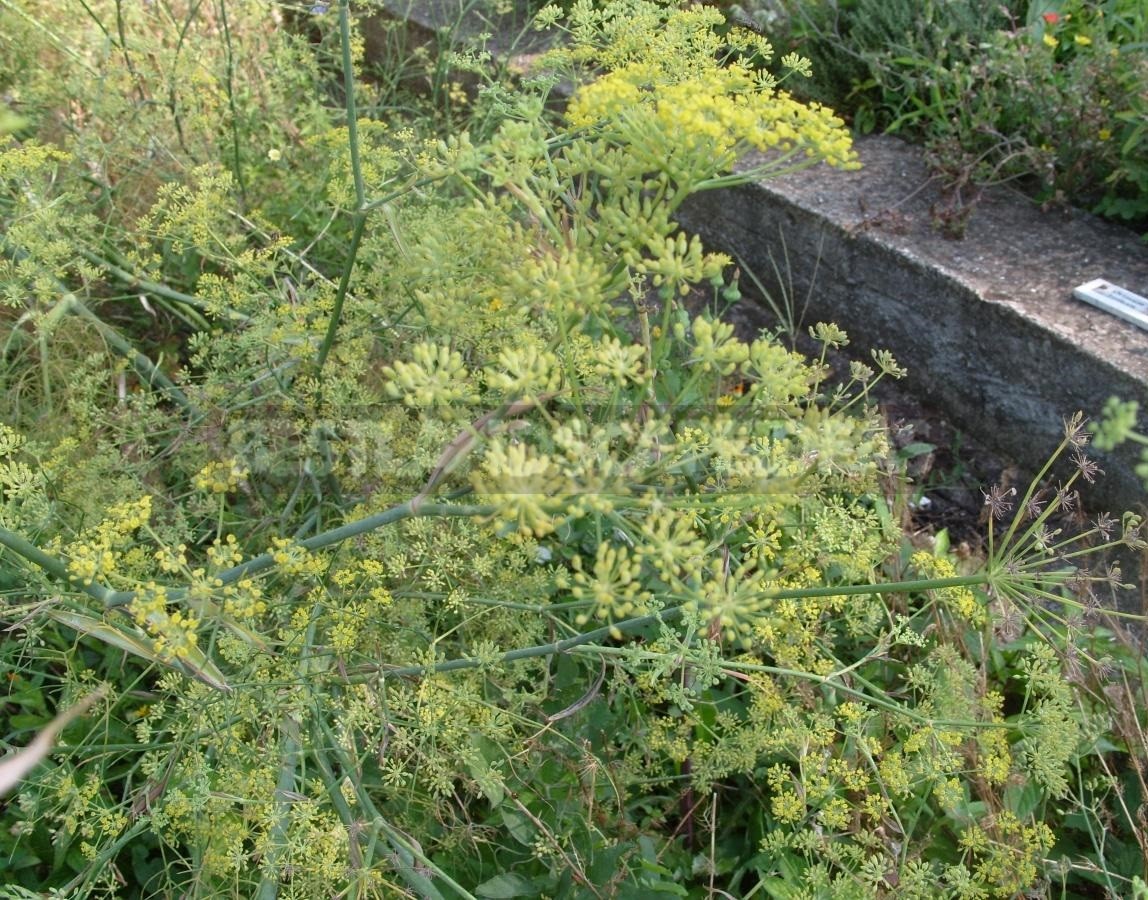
1116	300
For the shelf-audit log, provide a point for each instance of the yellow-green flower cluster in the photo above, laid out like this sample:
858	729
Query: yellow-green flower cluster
670	544
86	812
346	627
716	114
295	560
524	371
1006	850
569	282
100	550
436	377
994	757
613	584
618	363
524	484
172	559
220	476
379	163
714	347
731	601
28	157
193	213
223	554
20	484
960	600
173	630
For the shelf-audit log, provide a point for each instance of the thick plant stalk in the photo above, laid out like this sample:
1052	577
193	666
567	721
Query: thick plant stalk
359	215
112	599
150	374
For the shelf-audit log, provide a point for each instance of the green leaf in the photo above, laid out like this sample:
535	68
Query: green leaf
195	663
606	862
941	543
519	826
14	766
25	721
1022	800
781	889
488	780
507	885
917	448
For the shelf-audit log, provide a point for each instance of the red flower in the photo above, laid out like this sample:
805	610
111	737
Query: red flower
1051	18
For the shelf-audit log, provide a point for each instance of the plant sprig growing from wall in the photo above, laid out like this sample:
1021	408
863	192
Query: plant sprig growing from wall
483	566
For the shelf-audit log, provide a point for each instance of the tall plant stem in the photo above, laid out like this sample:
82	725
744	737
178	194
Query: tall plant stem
230	56
112	599
359	216
163	291
629	626
149	373
290	754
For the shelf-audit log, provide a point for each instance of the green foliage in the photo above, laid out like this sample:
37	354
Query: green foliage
1051	93
420	542
1119	424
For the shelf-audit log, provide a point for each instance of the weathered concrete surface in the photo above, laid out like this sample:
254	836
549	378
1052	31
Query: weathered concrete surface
986	325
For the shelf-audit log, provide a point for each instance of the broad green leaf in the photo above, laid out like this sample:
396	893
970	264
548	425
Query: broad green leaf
507	885
196	663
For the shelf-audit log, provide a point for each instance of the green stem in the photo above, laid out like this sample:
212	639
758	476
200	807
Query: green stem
1033	487
149	373
629	626
134	282
112	599
349	103
50	564
230	84
360	214
341	293
269	883
826	680
599	634
102	861
407	850
288	768
405	189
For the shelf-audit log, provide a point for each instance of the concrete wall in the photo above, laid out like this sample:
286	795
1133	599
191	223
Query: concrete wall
986	325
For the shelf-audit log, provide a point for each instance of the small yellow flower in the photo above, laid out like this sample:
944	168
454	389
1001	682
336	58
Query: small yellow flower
1104	134
1082	40
220	477
1050	41
274	154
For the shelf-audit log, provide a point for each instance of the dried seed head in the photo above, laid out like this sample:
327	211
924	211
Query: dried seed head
1104	524
1066	499
996	500
1034	505
1074	431
1112	575
1088	468
1104	669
